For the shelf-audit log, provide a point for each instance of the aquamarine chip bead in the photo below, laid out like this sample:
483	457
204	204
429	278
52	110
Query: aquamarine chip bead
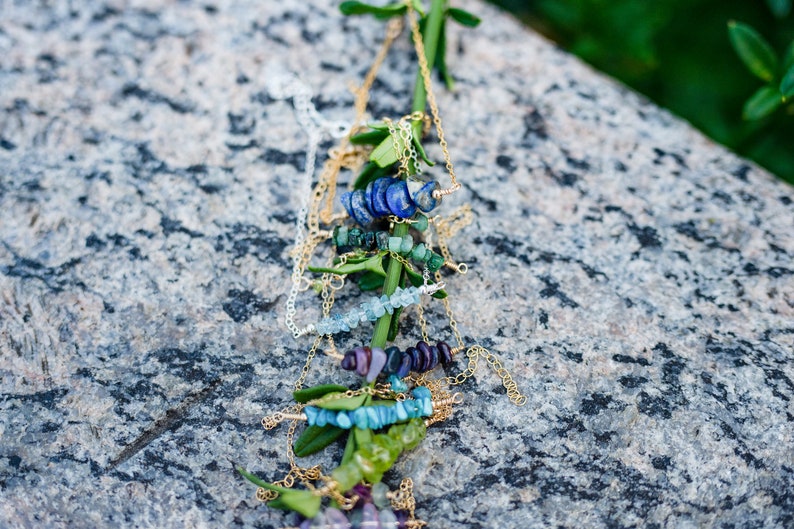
427	407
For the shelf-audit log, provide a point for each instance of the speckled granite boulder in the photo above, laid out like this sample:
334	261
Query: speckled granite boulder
634	277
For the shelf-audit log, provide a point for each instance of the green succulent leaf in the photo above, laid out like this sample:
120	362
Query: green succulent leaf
315	392
787	83
315	438
762	103
754	51
463	17
360	8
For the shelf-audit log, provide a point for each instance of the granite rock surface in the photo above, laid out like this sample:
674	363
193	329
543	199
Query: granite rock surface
634	277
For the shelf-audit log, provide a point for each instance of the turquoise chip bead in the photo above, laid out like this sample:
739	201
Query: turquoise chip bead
360	418
311	414
402	413
372	417
397	384
421	392
343	420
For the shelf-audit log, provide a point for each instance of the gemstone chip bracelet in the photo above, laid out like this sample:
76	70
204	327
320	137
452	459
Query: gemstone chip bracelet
384	237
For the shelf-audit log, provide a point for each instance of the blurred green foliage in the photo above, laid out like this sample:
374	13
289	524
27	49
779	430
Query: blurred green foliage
678	53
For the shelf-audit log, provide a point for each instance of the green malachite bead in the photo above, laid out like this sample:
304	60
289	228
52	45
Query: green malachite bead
435	262
418	252
407	245
420	222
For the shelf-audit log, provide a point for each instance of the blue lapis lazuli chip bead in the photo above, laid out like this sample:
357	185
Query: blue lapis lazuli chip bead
399	201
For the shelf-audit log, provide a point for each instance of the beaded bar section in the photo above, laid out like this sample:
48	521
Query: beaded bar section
371	310
346	239
372	362
374	417
390	196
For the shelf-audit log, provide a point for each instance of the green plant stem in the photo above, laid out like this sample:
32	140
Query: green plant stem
435	19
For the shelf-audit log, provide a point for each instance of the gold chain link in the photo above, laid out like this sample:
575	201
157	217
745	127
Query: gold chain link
431	99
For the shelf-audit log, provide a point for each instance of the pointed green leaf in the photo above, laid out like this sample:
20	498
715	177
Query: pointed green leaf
360	8
370	281
762	103
307	394
464	17
753	50
371	172
787	83
258	482
418	7
315	438
441	59
372	137
378	125
302	501
421	151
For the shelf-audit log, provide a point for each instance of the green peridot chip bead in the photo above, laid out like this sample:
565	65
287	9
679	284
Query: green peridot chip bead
347	475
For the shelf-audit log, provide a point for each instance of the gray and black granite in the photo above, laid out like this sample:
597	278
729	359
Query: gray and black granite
634	277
